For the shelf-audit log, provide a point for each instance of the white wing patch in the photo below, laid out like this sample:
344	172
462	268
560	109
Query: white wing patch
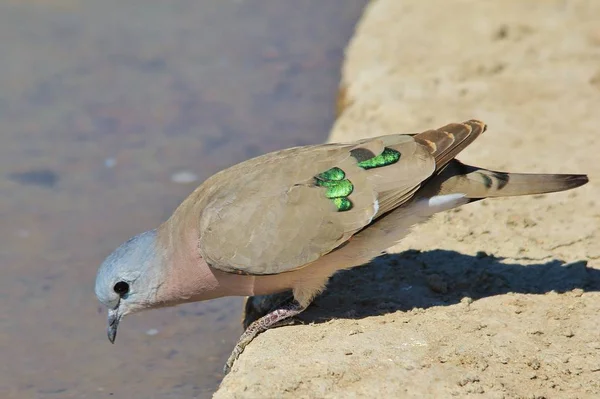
441	203
375	209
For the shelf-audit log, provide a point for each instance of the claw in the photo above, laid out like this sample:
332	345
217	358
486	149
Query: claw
280	316
232	358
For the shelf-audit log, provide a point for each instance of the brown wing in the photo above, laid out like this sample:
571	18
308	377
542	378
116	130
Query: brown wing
283	210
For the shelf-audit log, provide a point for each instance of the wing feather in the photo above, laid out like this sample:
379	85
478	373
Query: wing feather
273	213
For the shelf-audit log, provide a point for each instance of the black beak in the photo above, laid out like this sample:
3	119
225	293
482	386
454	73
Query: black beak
113	322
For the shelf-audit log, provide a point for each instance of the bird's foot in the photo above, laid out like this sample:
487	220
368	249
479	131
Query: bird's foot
281	315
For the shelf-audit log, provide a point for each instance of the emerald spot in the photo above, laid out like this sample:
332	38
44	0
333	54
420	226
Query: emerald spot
342	204
333	174
339	188
387	157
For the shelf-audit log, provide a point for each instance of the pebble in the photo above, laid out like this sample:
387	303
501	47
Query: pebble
152	331
466	300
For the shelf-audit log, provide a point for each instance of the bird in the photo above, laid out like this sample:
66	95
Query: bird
290	219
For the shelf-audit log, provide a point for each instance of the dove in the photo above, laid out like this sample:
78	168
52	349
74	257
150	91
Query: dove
288	220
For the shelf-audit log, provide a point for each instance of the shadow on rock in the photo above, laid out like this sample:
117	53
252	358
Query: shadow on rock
415	279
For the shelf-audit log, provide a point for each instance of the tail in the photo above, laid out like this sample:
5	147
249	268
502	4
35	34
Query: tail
453	177
477	183
451	185
455	185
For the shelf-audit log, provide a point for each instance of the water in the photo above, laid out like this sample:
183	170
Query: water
109	110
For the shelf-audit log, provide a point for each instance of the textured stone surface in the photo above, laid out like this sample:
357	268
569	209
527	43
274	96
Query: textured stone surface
499	298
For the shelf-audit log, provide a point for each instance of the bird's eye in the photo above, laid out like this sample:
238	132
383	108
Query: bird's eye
121	288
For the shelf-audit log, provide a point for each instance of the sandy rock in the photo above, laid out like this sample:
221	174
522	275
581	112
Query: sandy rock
497	299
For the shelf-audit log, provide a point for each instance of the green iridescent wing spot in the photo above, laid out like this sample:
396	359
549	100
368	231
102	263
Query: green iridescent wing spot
342	204
338	187
333	174
387	157
326	183
339	190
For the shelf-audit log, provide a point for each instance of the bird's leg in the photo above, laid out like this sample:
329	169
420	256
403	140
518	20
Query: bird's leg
281	315
258	306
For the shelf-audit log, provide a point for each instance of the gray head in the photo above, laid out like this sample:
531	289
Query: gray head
128	279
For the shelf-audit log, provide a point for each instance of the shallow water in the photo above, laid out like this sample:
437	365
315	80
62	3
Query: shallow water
102	104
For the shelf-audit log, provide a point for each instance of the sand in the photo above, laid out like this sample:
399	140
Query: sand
496	299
